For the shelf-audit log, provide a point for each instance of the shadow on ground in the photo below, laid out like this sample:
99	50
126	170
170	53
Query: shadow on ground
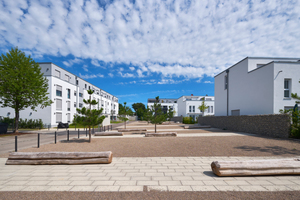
276	150
75	141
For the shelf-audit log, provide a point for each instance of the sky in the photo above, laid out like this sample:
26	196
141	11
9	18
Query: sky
137	50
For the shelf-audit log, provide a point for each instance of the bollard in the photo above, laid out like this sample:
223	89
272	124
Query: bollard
16	143
107	127
104	128
48	127
111	127
85	132
55	138
68	135
38	142
78	134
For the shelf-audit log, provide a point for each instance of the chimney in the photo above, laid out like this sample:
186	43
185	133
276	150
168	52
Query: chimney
192	95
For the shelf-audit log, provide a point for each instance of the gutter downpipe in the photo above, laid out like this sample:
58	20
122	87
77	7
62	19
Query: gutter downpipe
227	72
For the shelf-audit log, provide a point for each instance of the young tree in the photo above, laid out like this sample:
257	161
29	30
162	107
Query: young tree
22	84
170	114
87	116
123	112
203	107
158	115
139	109
147	114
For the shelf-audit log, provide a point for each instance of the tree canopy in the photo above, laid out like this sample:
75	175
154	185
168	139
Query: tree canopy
123	112
87	116
22	84
158	115
202	107
139	109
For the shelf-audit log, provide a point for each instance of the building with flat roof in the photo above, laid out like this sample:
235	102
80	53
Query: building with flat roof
256	86
67	91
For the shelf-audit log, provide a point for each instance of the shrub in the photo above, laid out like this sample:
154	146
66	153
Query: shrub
295	122
188	120
36	123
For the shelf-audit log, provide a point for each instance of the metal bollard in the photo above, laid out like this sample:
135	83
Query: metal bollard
107	127
104	128
55	137
78	134
38	142
110	127
68	136
85	132
16	143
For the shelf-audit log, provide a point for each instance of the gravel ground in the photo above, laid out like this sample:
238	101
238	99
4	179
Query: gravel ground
179	146
150	195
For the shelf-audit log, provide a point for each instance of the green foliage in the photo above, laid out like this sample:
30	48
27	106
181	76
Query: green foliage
147	114
139	109
188	120
158	116
123	112
295	121
170	114
203	107
22	84
31	123
87	116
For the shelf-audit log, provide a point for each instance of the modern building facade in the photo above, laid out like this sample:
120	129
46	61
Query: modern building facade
257	85
186	106
67	91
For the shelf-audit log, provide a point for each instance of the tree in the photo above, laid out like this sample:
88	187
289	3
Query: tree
158	115
123	112
170	114
22	84
147	114
203	107
139	109
295	96
87	116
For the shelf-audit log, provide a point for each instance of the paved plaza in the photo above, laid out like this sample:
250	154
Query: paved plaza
138	174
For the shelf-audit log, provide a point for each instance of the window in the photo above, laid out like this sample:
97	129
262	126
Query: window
58	104
74	104
235	112
193	108
58	91
226	82
89	87
287	88
58	117
80	94
175	101
80	105
69	93
68	105
85	86
75	93
67	77
212	109
190	108
69	117
208	109
57	73
76	82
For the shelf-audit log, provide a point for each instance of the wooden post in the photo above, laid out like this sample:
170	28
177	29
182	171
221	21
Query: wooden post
16	143
38	142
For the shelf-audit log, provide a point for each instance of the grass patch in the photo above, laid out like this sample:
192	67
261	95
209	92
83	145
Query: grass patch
116	122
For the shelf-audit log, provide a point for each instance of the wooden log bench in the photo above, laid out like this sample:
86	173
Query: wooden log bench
111	133
59	158
162	134
131	130
257	167
196	127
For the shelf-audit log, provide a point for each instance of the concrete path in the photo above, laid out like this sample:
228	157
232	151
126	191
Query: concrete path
138	174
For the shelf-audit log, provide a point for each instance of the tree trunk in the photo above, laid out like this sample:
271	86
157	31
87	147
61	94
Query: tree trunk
16	121
155	127
90	135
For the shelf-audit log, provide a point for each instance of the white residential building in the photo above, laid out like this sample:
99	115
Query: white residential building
187	106
257	85
67	91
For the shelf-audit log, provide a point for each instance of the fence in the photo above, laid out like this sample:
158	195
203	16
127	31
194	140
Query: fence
277	125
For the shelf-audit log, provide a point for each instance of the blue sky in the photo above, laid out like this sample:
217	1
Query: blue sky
137	50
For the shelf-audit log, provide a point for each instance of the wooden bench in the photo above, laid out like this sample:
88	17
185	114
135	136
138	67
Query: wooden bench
59	158
111	133
131	130
162	134
257	167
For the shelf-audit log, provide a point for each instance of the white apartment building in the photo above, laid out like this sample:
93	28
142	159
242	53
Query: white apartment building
67	91
257	85
187	106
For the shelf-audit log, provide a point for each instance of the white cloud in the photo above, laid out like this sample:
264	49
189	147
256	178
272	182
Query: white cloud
126	75
85	68
210	82
172	38
131	68
110	74
87	76
69	63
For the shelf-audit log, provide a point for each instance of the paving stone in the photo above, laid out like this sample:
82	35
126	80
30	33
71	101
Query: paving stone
147	183
80	178
277	188
182	178
141	178
215	183
282	182
252	188
59	183
83	188
81	183
294	187
204	188
131	188
128	183
167	183
59	188
12	188
161	178
99	178
260	182
157	188
106	183
180	188
228	188
120	178
35	183
107	188
192	183
15	183
19	178
234	182
35	188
